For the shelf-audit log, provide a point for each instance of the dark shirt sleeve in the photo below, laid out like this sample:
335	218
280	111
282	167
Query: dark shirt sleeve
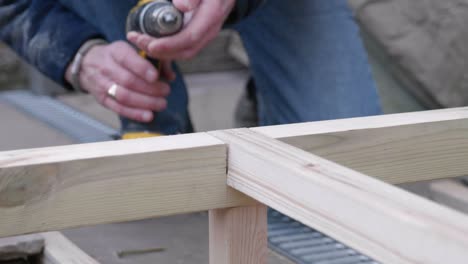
44	33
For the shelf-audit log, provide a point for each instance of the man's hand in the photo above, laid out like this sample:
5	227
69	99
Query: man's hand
139	91
207	19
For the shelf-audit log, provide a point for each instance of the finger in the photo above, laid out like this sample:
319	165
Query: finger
125	78
192	50
101	84
188	17
207	17
124	55
141	41
128	97
132	36
186	5
139	115
133	99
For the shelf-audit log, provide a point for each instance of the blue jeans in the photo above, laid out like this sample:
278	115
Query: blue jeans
307	61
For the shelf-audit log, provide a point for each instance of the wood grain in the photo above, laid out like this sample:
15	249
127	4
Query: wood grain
380	220
238	235
394	148
60	250
63	187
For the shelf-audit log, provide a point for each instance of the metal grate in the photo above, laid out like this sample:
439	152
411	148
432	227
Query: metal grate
78	126
305	245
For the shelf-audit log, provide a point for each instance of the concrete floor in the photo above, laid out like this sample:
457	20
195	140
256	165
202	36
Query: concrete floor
177	239
183	238
20	131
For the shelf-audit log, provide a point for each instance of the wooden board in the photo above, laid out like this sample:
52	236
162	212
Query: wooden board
395	148
380	220
239	235
70	186
59	250
51	248
62	187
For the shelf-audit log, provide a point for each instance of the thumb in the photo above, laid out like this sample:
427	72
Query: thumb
186	5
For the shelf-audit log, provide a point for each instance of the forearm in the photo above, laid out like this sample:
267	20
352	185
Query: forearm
44	33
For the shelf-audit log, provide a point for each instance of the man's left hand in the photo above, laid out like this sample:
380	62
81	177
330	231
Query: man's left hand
207	19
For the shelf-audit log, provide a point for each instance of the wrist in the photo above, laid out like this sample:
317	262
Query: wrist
72	74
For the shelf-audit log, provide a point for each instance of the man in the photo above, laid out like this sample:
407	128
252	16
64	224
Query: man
307	60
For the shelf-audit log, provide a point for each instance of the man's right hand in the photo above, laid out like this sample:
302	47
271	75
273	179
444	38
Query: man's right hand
206	21
139	90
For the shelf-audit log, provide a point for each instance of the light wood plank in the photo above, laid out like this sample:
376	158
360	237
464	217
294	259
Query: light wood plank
56	188
380	220
238	235
60	250
394	148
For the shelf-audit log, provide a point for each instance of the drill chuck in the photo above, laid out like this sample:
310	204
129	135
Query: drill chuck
157	18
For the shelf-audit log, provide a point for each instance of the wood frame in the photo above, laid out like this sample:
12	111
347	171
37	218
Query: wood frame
60	250
187	173
46	248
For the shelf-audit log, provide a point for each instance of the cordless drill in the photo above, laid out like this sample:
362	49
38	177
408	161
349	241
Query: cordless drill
160	18
157	18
